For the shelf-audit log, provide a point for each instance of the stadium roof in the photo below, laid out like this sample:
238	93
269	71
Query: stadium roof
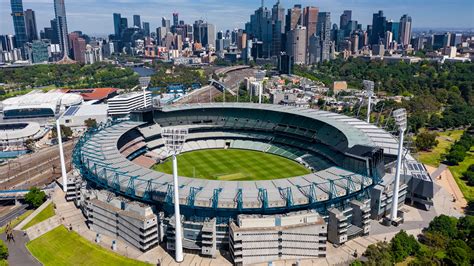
12	131
93	93
41	100
357	132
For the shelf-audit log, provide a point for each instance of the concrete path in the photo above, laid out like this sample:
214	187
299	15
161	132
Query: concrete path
32	215
18	253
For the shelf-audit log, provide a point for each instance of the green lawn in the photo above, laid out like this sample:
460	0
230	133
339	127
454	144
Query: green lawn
234	165
445	139
48	212
458	171
62	247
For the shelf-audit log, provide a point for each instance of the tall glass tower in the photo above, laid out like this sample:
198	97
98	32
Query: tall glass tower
60	12
18	22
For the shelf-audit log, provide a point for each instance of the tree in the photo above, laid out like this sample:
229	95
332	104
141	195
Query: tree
426	141
457	256
3	251
66	132
90	123
379	254
444	225
403	245
35	197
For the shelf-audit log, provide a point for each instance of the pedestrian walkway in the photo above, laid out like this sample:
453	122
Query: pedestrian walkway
18	254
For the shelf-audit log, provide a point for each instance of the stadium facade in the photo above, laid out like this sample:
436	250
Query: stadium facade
352	165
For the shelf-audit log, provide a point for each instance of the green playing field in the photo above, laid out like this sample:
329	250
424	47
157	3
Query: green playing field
233	165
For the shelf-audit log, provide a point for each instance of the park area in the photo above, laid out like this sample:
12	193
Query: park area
435	157
233	165
63	247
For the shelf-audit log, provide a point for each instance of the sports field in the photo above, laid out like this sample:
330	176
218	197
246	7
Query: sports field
233	165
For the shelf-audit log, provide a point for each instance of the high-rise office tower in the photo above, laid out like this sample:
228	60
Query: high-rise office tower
378	27
60	12
146	28
79	50
137	21
175	19
394	27
345	18
123	24
323	29
260	27
293	18
204	33
388	39
314	49
355	42
18	22
296	44
165	23
39	52
278	28
310	20
54	27
117	25
405	30
30	21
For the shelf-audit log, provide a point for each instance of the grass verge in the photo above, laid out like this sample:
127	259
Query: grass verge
16	221
45	214
61	247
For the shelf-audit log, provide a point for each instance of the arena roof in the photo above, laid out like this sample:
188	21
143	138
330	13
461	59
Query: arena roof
15	131
41	100
93	93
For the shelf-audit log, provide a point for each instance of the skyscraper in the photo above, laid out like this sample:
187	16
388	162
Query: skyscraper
146	28
310	20
30	21
260	27
278	28
117	25
204	33
18	22
394	27
137	21
296	44
175	19
293	18
405	30
123	24
345	18
378	27
323	30
60	12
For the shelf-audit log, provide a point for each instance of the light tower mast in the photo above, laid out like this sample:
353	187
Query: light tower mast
174	141
369	86
400	116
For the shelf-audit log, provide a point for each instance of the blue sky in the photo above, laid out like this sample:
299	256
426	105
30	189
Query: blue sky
95	16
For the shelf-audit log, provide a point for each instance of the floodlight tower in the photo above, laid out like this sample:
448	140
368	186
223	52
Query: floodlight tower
174	140
400	116
61	155
369	86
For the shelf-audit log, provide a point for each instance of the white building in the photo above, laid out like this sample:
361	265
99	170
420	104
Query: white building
75	116
39	104
123	104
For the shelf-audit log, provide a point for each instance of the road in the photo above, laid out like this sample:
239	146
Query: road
12	214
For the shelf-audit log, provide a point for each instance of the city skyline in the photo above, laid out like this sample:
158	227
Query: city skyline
227	15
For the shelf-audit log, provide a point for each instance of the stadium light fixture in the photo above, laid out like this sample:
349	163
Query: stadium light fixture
400	116
61	155
369	87
174	141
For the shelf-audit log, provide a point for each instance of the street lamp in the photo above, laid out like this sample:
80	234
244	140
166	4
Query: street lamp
174	140
400	116
369	86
